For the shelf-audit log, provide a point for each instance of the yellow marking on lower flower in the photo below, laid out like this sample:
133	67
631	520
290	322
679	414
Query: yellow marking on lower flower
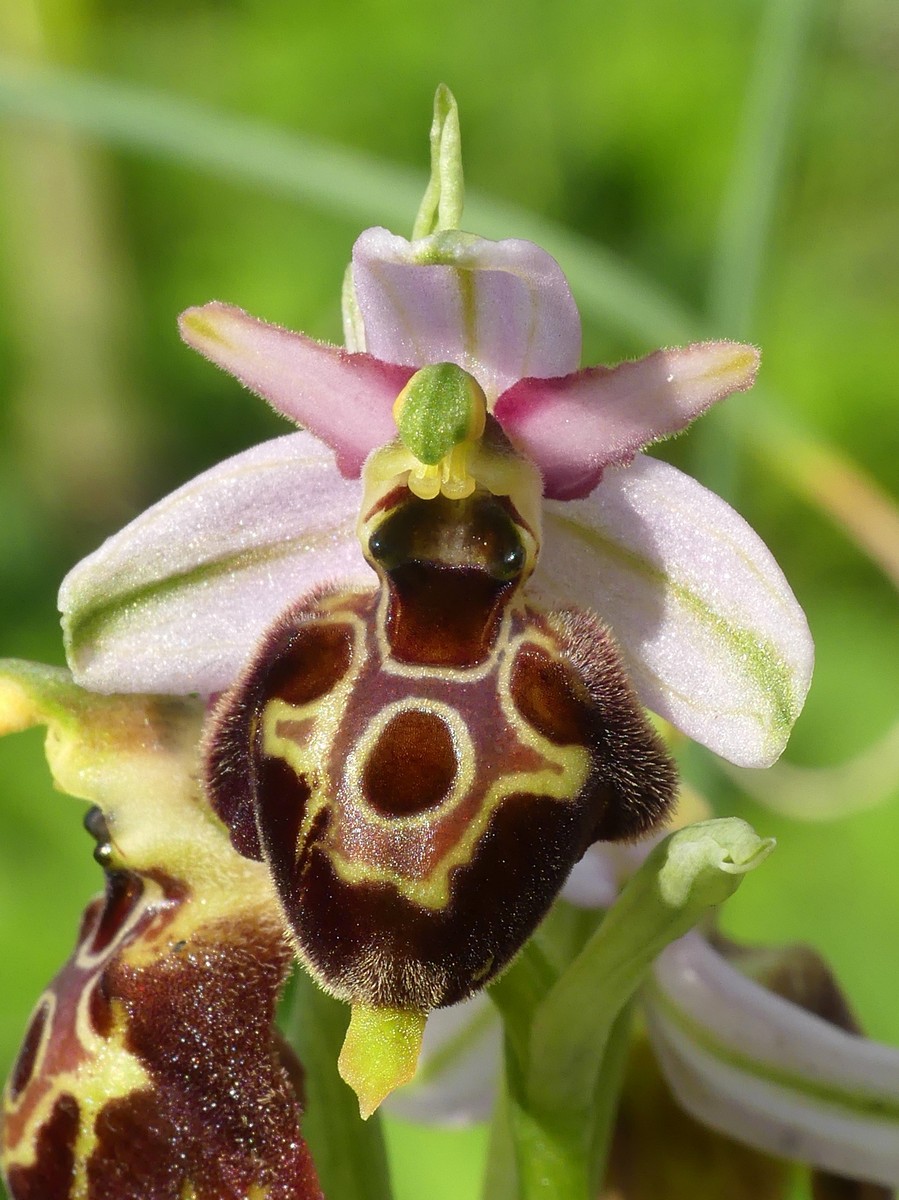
380	1052
562	779
46	999
109	1072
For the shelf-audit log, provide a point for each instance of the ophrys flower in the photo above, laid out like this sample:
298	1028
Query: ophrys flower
425	723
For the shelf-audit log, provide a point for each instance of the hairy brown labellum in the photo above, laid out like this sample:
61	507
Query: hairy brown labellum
421	765
150	1069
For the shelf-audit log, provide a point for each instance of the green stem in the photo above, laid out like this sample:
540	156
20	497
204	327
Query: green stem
691	871
501	1173
518	993
567	1034
349	1153
553	1162
552	1151
608	1090
533	1156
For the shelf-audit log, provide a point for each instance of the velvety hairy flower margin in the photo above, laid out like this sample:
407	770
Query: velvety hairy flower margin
349	687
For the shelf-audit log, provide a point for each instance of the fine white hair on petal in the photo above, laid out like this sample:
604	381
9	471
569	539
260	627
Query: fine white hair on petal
500	310
574	428
344	399
176	600
458	1068
766	1072
714	638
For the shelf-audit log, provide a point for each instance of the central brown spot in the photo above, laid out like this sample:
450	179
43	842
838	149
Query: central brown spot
412	766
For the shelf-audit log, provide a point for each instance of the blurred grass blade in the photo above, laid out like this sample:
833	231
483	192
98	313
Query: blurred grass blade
334	179
346	182
826	793
755	181
828	479
745	219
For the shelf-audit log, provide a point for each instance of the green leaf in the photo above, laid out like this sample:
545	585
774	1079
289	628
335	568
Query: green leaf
567	1034
691	871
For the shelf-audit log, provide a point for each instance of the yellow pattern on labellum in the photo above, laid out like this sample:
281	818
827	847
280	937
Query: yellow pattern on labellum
108	1072
562	776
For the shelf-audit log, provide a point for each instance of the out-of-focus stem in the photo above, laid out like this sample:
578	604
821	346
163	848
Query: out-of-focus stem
833	483
68	301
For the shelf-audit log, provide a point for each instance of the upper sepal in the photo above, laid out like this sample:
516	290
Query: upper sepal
500	310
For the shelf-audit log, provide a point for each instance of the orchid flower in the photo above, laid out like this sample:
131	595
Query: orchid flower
503	500
421	633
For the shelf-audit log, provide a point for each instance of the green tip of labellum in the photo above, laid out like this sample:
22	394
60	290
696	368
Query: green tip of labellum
380	1052
440	414
441	206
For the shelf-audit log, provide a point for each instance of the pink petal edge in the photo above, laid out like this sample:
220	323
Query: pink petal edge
576	426
344	399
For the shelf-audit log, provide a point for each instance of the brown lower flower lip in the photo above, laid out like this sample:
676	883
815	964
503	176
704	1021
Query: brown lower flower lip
421	765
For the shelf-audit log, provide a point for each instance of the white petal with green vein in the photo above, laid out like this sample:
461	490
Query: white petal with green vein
176	601
714	637
501	310
766	1072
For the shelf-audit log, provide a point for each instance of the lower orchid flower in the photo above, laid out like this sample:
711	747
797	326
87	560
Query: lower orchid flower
151	1066
746	1064
414	724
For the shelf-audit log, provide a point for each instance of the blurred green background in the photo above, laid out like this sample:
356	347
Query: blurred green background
698	168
